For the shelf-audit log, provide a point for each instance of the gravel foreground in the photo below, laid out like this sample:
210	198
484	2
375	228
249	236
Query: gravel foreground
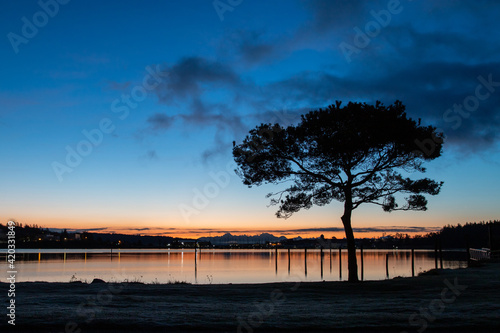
462	300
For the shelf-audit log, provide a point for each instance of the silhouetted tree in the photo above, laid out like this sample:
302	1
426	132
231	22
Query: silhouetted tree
351	154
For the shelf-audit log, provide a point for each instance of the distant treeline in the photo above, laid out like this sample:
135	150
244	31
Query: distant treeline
472	234
476	235
33	236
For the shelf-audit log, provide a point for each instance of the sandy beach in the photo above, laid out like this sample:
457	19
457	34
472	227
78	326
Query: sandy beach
447	301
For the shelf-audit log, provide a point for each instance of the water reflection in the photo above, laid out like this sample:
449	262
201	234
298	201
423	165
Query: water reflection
221	266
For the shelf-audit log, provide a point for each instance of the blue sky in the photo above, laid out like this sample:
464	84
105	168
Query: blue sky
163	88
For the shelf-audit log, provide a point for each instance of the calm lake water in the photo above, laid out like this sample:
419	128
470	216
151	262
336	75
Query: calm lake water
215	266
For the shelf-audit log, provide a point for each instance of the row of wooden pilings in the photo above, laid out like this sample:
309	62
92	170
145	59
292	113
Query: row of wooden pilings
438	255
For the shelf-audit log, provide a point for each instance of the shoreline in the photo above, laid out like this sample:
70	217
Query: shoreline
464	298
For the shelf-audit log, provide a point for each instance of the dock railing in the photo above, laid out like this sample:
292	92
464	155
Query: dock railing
480	254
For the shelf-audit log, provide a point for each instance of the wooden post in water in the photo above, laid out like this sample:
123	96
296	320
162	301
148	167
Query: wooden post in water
276	260
362	264
468	251
340	263
288	261
321	258
387	265
330	258
305	261
412	262
436	254
440	254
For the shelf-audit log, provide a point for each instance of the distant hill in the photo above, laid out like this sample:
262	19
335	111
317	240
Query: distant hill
228	239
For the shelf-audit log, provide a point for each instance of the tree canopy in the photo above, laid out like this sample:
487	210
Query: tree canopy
356	154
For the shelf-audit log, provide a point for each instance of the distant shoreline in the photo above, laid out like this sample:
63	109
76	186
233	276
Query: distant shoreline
386	305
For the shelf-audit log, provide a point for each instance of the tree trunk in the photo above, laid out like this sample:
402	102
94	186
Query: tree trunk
352	264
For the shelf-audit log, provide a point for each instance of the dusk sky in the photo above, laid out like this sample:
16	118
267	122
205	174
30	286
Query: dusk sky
120	116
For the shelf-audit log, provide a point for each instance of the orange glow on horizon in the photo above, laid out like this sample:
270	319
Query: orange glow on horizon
287	234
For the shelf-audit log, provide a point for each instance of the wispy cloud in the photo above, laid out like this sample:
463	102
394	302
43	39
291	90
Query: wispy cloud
189	77
92	59
160	121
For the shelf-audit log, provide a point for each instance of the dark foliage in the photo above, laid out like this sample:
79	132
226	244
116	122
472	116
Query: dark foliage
354	154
